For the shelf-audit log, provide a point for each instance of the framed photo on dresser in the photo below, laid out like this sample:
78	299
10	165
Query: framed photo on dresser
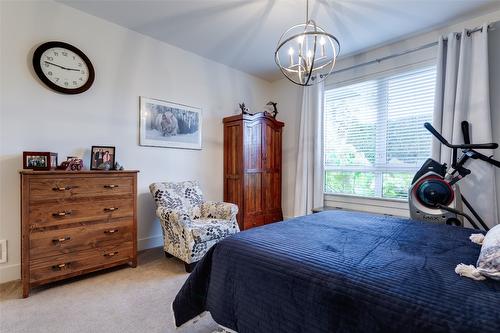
102	158
39	160
171	125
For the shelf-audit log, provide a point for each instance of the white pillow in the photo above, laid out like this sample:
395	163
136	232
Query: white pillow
488	263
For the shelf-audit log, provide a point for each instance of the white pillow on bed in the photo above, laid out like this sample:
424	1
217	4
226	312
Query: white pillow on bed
488	263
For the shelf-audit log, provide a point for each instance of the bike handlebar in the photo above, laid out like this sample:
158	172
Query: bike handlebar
431	129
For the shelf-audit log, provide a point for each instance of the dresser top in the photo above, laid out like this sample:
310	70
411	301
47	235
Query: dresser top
86	172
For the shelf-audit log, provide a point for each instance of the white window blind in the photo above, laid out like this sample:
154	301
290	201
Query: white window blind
374	135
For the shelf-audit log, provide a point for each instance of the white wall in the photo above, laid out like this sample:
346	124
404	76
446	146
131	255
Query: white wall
286	94
289	98
127	65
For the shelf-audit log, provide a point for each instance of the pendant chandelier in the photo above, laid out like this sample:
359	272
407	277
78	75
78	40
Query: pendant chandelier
306	54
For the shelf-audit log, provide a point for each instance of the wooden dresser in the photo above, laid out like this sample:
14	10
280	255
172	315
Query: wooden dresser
74	223
252	168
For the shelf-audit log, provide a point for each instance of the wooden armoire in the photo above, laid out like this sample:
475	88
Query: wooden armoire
252	168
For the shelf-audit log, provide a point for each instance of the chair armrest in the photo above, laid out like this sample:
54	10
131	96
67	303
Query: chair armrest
219	210
175	216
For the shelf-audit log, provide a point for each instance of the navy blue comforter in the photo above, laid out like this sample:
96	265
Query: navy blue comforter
342	272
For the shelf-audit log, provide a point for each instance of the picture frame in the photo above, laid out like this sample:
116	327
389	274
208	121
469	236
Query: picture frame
169	125
39	160
102	157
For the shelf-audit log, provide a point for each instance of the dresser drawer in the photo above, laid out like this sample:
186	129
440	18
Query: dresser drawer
69	240
81	210
59	266
56	188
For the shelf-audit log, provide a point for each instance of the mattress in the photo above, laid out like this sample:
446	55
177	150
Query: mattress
342	272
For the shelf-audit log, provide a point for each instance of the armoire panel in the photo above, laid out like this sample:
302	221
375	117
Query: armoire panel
253	193
232	150
253	146
234	194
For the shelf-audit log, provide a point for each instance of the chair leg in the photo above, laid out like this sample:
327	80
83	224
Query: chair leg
190	267
168	255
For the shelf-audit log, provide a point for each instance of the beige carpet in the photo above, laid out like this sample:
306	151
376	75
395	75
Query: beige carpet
118	300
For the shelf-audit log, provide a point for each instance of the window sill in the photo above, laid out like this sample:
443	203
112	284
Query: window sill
396	207
361	198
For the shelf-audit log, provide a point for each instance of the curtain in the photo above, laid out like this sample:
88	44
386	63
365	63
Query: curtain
462	93
309	176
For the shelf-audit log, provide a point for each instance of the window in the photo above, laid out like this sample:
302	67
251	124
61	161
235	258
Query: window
374	138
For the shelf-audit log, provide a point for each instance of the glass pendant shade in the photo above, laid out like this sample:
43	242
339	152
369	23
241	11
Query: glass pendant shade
306	54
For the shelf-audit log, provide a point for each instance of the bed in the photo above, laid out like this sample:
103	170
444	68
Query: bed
342	272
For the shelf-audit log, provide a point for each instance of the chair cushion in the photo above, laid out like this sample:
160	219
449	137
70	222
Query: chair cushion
208	229
186	196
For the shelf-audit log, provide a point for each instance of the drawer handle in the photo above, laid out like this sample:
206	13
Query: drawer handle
62	214
61	240
60	189
110	254
60	266
110	209
110	231
110	186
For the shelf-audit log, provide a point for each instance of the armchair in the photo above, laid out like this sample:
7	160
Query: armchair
191	225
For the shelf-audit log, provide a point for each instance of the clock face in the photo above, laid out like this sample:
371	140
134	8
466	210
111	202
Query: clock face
63	67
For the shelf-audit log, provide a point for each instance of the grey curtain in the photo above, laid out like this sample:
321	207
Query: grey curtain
309	176
462	93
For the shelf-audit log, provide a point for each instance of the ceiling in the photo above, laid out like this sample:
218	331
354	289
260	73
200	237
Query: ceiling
243	34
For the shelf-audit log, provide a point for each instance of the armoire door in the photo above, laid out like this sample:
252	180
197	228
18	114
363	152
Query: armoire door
233	167
271	177
252	188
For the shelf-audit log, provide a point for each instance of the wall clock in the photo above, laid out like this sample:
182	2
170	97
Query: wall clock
63	67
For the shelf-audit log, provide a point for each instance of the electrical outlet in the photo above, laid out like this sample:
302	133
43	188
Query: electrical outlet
3	250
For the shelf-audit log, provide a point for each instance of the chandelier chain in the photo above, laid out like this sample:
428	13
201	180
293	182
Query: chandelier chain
307	11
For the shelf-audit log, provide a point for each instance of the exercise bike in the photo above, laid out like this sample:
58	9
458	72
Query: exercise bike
434	194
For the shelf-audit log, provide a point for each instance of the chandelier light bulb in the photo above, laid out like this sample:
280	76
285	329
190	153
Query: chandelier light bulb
309	55
290	53
322	42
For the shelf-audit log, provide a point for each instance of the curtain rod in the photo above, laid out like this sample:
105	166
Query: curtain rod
415	49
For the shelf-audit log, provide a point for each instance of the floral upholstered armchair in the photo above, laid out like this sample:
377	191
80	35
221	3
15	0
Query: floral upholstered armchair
190	224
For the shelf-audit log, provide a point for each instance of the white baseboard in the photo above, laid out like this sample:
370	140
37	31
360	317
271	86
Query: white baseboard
13	272
149	242
10	273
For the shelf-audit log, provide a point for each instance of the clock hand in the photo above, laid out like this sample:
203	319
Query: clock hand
69	69
47	62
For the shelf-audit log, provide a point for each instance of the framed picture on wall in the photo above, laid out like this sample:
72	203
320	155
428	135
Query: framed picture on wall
39	160
167	124
102	158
